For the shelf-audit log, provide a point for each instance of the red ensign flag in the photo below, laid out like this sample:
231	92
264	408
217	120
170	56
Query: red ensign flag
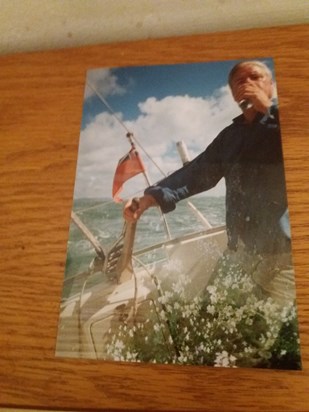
128	166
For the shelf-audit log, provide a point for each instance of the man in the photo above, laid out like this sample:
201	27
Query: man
248	154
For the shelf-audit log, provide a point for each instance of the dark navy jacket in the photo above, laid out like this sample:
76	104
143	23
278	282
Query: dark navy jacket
249	157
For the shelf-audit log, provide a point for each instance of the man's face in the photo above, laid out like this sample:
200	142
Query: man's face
254	75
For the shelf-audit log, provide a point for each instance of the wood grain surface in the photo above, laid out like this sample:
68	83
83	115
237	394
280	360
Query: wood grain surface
41	97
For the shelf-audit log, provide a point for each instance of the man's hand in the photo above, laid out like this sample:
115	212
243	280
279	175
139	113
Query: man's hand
254	94
134	208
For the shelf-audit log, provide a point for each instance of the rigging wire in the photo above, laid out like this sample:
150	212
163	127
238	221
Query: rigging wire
123	125
107	105
131	138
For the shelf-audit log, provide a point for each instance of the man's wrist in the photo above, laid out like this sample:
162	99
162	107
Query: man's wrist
270	114
265	107
147	201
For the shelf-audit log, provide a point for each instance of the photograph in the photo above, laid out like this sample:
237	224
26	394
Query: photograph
179	247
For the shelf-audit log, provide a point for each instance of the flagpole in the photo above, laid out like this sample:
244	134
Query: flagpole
167	230
130	138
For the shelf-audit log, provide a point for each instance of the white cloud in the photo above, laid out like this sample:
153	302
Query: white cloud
195	120
160	125
104	81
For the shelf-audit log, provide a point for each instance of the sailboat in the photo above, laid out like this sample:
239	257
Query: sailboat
126	283
122	281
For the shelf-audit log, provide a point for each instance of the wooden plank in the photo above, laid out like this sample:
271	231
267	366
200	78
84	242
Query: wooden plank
40	115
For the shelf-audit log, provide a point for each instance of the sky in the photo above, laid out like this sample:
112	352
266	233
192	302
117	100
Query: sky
160	105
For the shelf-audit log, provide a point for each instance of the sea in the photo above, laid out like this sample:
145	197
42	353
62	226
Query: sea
104	219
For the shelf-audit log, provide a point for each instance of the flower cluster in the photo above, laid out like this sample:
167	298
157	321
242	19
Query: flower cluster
227	325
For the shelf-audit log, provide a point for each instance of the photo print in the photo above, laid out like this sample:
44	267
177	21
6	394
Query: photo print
179	248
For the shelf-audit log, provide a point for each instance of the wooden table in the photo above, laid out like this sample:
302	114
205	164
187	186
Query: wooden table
41	105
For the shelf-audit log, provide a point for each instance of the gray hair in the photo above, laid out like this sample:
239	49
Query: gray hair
256	63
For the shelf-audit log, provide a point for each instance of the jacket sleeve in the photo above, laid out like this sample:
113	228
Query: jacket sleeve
201	174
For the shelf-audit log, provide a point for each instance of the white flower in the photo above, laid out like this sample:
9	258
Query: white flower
211	309
162	299
232	358
211	289
119	344
156	327
163	315
225	360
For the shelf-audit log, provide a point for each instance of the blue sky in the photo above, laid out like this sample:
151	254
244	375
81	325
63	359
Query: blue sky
160	105
139	83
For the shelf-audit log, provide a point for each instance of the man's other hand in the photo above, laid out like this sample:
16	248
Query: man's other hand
135	207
